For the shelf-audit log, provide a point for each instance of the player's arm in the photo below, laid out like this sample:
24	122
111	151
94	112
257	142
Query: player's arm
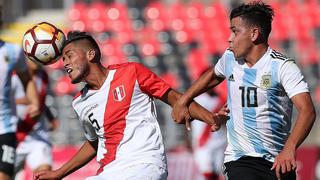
196	111
84	155
31	93
22	101
285	161
297	89
52	120
206	81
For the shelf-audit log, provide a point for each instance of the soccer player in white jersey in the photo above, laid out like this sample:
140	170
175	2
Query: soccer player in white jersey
12	58
208	147
117	112
262	85
34	145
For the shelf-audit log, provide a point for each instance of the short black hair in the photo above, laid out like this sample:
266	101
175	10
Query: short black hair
255	13
73	36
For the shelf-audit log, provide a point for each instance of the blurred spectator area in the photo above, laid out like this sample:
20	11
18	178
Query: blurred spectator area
178	40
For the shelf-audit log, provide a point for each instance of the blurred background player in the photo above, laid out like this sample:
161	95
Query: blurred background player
12	58
208	147
34	145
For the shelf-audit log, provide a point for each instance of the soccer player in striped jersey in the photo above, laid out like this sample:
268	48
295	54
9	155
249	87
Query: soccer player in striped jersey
116	109
12	59
263	85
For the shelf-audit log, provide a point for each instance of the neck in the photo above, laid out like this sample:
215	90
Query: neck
255	54
97	76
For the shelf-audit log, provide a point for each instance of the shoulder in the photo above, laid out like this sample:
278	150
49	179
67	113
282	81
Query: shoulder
278	56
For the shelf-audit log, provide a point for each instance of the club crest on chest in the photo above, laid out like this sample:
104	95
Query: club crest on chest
266	81
119	93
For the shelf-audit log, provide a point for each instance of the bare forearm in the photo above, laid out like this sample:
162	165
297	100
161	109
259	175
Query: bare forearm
85	154
301	129
200	113
22	101
196	110
305	119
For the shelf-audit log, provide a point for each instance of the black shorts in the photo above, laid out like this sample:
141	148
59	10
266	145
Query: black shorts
253	168
8	145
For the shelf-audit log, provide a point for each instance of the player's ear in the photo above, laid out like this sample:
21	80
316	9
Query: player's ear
255	34
91	54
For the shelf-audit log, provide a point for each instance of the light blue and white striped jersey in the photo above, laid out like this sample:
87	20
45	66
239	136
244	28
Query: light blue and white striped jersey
259	103
11	58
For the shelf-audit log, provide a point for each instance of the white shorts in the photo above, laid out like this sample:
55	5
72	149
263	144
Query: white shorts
34	154
142	171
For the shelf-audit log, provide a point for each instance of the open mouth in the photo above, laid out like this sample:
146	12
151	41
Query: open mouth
69	70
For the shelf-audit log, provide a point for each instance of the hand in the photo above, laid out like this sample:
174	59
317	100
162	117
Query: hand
46	174
285	162
180	114
33	111
220	118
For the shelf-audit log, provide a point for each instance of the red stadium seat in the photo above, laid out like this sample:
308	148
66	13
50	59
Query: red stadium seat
98	25
197	62
77	11
171	79
177	10
194	10
157	15
116	11
96	10
150	48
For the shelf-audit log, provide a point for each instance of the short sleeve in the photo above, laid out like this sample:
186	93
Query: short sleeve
149	82
291	79
89	131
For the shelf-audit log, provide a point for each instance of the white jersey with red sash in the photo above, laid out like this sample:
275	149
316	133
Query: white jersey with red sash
122	116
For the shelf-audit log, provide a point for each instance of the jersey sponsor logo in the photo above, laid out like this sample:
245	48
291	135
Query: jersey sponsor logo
266	81
119	93
231	78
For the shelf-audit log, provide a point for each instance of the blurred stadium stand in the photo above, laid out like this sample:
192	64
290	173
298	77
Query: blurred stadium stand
175	39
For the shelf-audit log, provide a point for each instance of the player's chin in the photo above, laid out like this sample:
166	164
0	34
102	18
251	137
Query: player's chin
75	80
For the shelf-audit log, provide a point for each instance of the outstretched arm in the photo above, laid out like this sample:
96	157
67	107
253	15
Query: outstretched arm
196	111
286	160
86	153
208	80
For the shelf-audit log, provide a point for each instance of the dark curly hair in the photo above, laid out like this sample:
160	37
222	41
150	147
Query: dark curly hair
73	36
255	13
